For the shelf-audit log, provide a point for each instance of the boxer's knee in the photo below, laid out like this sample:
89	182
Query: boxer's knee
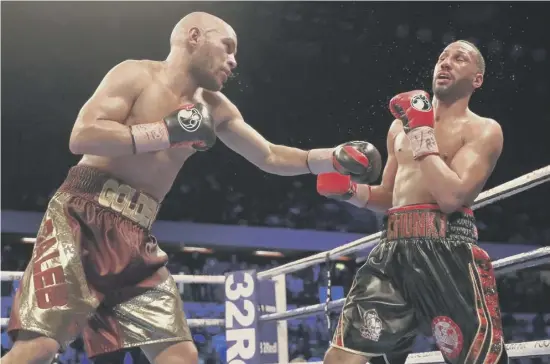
182	352
336	355
31	348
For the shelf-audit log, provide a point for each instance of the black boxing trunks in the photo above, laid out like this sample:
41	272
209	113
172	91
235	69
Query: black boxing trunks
426	275
97	270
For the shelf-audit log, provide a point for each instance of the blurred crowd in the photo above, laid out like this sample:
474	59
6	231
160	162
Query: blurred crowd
294	203
376	52
521	293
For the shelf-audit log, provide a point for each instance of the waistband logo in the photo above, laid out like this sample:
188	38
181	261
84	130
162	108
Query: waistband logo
417	224
120	198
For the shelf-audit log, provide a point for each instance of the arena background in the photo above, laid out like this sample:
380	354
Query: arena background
310	75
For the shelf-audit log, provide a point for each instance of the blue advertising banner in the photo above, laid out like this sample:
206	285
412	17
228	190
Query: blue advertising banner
171	232
241	317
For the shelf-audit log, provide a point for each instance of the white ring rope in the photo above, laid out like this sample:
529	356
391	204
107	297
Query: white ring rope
512	263
500	192
180	278
514	350
501	266
191	322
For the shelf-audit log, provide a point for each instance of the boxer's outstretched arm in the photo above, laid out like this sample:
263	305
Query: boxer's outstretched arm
234	132
99	128
459	184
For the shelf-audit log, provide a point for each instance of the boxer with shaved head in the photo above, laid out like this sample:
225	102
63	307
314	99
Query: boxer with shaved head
96	269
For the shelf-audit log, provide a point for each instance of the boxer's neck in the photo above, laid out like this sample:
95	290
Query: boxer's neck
178	76
450	110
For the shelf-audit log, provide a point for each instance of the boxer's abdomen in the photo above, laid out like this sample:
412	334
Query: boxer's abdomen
409	188
153	173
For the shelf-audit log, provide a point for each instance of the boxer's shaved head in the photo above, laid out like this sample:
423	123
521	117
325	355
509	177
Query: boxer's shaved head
210	43
203	22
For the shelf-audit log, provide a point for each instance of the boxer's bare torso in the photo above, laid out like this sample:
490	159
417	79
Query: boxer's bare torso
155	172
451	136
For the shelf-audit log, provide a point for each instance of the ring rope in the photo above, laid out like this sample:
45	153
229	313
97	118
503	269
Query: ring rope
497	193
328	299
512	263
514	350
180	278
502	191
191	322
501	266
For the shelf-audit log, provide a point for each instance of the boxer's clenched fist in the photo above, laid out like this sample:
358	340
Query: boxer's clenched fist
415	110
336	186
360	160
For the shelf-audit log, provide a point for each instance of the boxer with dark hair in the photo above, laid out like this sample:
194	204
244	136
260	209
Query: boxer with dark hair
96	268
427	274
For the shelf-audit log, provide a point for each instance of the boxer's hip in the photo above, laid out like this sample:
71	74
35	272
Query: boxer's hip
419	235
94	249
427	222
111	194
426	272
423	246
110	222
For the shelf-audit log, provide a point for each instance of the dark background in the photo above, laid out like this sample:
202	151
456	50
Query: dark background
312	74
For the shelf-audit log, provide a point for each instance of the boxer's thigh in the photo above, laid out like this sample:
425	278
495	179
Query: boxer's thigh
460	303
376	319
53	298
153	315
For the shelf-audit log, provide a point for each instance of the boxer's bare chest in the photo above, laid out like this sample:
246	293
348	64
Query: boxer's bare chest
450	136
409	187
155	102
152	172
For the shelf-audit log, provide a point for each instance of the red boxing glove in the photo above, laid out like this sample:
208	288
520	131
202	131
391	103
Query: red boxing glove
415	110
336	186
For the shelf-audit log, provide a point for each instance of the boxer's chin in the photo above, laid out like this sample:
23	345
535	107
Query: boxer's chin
441	92
211	84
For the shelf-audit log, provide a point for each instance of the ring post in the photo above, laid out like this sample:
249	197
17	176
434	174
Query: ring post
268	337
282	327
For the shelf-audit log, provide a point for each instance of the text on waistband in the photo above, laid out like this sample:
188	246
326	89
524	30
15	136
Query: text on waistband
417	224
120	197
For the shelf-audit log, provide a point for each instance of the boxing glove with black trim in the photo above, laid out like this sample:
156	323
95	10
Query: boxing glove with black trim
360	160
188	126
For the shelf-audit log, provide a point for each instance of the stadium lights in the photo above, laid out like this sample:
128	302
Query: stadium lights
265	253
194	249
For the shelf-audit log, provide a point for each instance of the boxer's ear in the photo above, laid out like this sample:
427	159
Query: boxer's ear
194	36
478	80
